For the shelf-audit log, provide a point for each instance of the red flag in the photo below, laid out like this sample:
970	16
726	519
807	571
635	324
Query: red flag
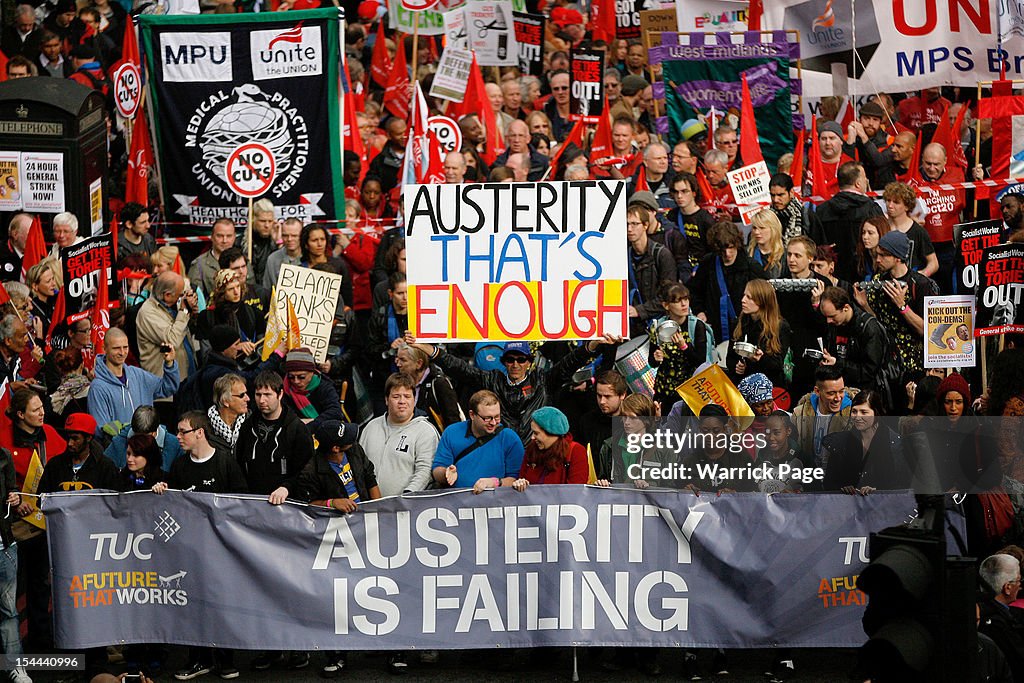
575	136
754	13
706	193
602	20
796	169
750	145
476	101
4	296
1001	108
434	172
915	163
396	95
819	183
380	62
59	313
949	137
140	159
641	180
3	66
353	140
601	146
130	48
100	313
35	247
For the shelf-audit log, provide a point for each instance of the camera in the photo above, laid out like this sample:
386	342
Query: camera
800	285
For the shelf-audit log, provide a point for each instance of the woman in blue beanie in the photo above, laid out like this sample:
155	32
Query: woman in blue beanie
552	457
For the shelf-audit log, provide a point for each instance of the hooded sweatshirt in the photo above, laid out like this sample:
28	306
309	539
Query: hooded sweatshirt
111	400
401	455
271	451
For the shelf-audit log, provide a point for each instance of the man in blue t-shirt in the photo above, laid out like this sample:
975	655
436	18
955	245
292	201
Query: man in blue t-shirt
479	452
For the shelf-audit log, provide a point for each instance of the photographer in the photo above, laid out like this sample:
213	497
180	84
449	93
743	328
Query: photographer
856	341
163	320
898	303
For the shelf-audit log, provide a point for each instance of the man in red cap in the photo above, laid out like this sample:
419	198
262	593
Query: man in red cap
82	465
570	21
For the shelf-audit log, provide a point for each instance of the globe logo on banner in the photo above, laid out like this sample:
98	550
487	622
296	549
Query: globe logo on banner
223	122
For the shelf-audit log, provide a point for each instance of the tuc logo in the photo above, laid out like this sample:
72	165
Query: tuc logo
190	57
283	54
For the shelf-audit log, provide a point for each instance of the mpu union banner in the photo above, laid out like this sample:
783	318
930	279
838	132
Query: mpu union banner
554	566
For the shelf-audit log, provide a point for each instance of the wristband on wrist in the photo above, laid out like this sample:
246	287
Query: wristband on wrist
329	502
815	305
497	483
905	307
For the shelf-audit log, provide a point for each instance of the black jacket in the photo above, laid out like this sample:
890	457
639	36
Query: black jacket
860	349
650	271
520	400
883	467
317	481
325	399
838	222
270	452
7	484
705	294
97	472
1005	626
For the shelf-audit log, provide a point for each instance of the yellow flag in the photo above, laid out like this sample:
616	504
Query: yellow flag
275	333
712	385
294	333
591	472
32	477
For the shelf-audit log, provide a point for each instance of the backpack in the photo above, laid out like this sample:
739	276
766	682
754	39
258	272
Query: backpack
691	328
104	87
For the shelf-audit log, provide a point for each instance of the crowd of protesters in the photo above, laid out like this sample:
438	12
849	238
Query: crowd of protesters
815	312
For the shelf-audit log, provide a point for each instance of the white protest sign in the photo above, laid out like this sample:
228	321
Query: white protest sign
127	90
491	33
10	181
517	261
250	170
42	182
452	75
750	188
448	132
949	331
455	30
314	294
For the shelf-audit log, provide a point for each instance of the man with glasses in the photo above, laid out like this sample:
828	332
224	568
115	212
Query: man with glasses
478	453
612	84
727	141
1000	579
684	159
208	470
687	236
557	106
651	265
65	232
307	392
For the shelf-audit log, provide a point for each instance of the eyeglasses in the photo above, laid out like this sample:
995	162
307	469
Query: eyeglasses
634	223
522	360
241	395
728	142
489	419
560	88
183	432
